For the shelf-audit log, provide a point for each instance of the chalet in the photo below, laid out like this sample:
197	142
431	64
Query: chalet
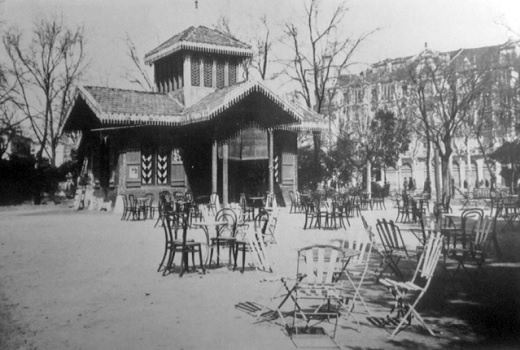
205	129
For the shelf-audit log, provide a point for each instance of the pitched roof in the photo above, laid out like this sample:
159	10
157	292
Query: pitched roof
200	39
129	107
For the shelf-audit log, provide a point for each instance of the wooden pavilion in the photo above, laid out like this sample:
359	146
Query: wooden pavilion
204	130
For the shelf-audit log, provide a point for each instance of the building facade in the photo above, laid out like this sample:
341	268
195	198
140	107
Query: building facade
387	85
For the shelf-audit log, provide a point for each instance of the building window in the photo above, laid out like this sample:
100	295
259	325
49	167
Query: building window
208	72
155	166
195	71
147	166
162	166
220	74
232	73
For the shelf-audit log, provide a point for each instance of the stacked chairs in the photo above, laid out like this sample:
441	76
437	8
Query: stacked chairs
358	265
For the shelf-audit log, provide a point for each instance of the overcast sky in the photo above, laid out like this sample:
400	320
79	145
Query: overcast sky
405	25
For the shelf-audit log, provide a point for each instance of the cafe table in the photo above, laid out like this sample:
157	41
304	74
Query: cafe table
205	225
258	202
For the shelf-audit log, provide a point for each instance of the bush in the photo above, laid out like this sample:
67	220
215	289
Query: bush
22	180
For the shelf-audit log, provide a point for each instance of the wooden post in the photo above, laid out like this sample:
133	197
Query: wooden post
214	166
271	160
225	175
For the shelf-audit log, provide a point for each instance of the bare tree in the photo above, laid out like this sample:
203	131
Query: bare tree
261	38
45	72
320	54
138	75
448	88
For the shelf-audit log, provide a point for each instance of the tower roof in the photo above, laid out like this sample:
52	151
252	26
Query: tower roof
200	39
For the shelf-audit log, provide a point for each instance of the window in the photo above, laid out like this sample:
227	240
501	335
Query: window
208	72
195	71
220	74
155	165
232	73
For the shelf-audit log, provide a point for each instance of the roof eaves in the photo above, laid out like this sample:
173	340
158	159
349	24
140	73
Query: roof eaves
202	47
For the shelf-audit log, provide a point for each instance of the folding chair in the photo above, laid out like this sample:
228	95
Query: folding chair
317	291
417	286
358	266
250	239
393	245
477	251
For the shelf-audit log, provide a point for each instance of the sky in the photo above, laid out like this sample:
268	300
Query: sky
404	26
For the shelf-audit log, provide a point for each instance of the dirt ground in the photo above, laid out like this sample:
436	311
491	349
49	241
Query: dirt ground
86	280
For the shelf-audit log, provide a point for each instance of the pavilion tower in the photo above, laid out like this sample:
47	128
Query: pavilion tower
196	62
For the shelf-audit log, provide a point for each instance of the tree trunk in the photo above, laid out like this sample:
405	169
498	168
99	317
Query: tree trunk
317	168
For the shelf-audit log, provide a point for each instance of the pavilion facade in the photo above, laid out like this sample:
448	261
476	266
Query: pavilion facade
203	130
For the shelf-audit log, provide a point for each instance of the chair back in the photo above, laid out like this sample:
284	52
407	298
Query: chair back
261	221
359	241
173	223
228	215
320	264
390	236
429	257
150	198
482	230
132	201
472	213
125	200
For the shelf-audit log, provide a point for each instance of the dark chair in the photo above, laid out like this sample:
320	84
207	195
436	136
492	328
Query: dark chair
172	224
394	247
295	205
403	209
149	207
127	208
248	211
378	200
164	205
225	233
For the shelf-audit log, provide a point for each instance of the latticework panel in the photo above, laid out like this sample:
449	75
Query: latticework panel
195	71
232	73
146	167
162	167
220	74
208	73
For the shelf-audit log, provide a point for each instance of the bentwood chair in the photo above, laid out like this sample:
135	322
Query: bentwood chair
127	208
173	223
225	233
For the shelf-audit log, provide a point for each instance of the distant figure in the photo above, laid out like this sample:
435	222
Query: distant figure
405	184
465	183
411	184
487	183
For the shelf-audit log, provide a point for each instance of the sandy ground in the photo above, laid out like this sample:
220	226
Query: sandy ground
86	280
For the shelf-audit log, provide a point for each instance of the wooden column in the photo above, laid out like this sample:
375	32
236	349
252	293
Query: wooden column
225	175
214	167
271	159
